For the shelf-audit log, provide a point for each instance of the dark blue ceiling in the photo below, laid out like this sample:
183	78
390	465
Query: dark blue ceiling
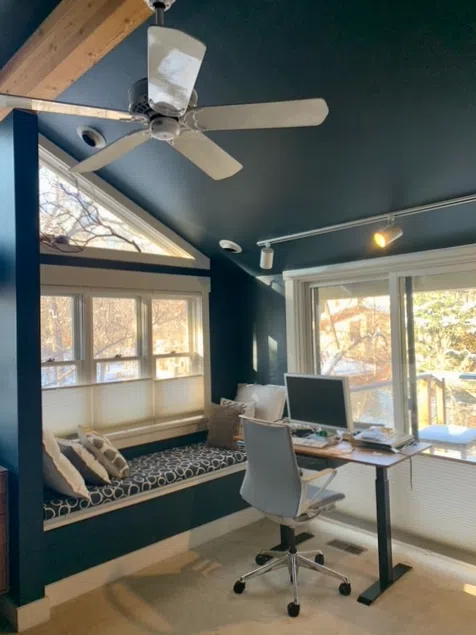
400	81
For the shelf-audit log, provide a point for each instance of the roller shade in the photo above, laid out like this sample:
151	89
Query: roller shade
121	405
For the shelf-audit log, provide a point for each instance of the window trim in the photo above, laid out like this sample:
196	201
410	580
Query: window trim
101	282
299	282
185	254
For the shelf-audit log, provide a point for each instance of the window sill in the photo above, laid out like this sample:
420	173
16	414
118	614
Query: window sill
471	460
149	432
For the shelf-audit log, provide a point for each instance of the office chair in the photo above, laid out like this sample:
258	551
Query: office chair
276	486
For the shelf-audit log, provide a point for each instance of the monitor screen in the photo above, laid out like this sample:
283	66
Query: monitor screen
319	400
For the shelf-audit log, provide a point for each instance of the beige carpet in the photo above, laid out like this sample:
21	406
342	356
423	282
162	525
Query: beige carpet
192	593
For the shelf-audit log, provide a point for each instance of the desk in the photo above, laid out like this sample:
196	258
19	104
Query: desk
381	461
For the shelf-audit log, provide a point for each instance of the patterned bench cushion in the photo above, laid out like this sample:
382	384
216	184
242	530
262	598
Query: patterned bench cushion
147	473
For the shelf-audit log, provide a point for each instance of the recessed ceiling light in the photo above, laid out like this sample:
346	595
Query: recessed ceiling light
230	246
91	137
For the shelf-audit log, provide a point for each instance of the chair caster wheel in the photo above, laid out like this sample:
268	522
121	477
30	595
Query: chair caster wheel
239	587
319	559
344	588
293	609
261	559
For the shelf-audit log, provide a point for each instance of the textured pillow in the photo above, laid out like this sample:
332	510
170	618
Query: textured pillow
103	450
224	424
269	399
250	406
59	473
90	469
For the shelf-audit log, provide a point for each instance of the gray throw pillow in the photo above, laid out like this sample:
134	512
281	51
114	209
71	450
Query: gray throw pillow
224	424
103	450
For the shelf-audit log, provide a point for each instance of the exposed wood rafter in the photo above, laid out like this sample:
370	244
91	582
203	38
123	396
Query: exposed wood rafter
72	39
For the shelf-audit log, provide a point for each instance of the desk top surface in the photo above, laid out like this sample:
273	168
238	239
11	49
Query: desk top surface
365	456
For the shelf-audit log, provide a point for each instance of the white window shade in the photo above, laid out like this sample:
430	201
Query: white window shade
181	396
64	409
122	404
115	405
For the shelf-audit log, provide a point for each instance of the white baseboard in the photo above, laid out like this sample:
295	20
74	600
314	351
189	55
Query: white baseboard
24	617
93	578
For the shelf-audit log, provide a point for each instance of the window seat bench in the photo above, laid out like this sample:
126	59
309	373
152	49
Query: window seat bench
150	475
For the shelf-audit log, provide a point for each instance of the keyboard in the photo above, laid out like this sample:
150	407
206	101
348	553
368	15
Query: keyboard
311	441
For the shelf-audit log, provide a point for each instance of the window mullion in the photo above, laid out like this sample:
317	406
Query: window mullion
397	330
88	350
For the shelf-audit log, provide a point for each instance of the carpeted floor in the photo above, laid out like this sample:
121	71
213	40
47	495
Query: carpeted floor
192	593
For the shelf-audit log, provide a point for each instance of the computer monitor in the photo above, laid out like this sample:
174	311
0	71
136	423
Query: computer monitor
319	400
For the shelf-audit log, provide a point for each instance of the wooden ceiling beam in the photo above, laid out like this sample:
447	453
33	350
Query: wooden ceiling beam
72	39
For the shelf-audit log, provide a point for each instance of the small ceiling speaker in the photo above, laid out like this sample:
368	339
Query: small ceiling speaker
387	235
230	246
267	257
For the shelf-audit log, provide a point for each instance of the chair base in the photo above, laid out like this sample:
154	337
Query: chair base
293	560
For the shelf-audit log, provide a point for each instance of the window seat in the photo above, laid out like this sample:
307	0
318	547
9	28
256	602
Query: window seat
148	473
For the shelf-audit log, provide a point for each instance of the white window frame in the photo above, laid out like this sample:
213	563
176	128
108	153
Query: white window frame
184	254
395	269
77	362
59	280
195	312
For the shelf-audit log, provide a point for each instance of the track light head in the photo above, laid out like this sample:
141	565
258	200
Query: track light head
387	235
267	257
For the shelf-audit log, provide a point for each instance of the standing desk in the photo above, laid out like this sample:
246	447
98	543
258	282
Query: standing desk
382	461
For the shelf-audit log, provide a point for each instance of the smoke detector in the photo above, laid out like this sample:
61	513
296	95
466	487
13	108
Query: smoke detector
91	137
230	246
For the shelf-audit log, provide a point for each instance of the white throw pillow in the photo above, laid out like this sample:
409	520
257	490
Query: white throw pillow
250	406
89	467
269	400
58	472
103	450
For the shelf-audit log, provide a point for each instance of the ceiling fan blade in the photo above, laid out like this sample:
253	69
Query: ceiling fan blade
174	60
206	155
112	152
61	108
278	114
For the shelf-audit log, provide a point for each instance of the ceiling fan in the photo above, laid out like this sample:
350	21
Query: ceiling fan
165	103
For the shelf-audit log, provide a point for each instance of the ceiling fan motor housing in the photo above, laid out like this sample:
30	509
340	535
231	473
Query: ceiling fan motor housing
164	128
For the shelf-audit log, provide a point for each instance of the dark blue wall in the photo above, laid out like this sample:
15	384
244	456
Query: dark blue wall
20	388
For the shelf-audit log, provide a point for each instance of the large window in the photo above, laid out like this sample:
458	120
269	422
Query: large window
114	360
351	336
403	329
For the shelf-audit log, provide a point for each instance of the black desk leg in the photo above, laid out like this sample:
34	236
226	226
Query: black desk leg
287	541
388	574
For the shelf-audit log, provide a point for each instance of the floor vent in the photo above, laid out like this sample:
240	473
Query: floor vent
347	546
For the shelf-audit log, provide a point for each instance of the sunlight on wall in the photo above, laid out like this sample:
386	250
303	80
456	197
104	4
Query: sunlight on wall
469	588
255	352
273	359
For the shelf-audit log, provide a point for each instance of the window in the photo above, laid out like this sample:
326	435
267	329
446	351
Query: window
84	216
352	337
116	361
174	338
442	346
403	329
116	347
59	345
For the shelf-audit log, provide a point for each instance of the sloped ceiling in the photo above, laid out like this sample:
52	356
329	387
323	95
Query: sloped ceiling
400	81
